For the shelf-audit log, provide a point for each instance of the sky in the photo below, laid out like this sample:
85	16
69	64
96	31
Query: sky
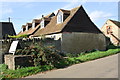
23	12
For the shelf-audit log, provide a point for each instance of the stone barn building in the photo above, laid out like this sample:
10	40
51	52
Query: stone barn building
111	29
74	30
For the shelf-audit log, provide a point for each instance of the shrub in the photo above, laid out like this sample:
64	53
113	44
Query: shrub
42	55
47	56
3	66
111	46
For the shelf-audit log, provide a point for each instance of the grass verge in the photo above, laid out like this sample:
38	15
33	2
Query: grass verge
93	56
19	73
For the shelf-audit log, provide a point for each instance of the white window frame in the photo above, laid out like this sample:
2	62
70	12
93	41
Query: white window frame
60	15
33	25
26	27
42	23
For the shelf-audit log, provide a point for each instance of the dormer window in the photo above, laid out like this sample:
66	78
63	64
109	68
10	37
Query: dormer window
23	28
35	22
60	17
28	26
42	23
34	25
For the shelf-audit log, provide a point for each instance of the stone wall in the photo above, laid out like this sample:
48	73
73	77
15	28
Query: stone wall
15	61
4	48
81	42
52	42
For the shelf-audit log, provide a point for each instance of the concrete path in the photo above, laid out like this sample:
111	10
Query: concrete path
101	68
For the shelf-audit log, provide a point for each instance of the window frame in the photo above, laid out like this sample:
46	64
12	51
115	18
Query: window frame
60	17
42	23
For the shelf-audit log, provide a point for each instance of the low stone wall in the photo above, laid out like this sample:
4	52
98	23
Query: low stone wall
15	61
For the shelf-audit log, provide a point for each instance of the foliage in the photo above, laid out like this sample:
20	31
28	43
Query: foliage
87	57
77	55
93	56
25	71
3	67
111	46
19	36
42	55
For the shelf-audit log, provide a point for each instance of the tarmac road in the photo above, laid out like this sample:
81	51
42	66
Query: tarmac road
101	68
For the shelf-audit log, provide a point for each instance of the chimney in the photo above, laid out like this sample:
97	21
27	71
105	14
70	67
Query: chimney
9	19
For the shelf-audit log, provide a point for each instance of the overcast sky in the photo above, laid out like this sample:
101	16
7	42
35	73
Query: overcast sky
23	12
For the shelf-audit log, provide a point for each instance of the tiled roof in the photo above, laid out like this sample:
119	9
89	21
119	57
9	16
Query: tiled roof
65	11
30	31
49	15
36	20
116	23
29	23
53	27
77	21
23	26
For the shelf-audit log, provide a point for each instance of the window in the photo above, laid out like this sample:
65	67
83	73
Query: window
60	17
36	24
109	29
24	29
42	24
29	27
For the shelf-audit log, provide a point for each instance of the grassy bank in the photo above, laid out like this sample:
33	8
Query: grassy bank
19	73
93	55
6	73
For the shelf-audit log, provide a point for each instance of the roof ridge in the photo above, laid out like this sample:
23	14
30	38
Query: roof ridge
64	9
77	7
117	23
114	20
5	22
